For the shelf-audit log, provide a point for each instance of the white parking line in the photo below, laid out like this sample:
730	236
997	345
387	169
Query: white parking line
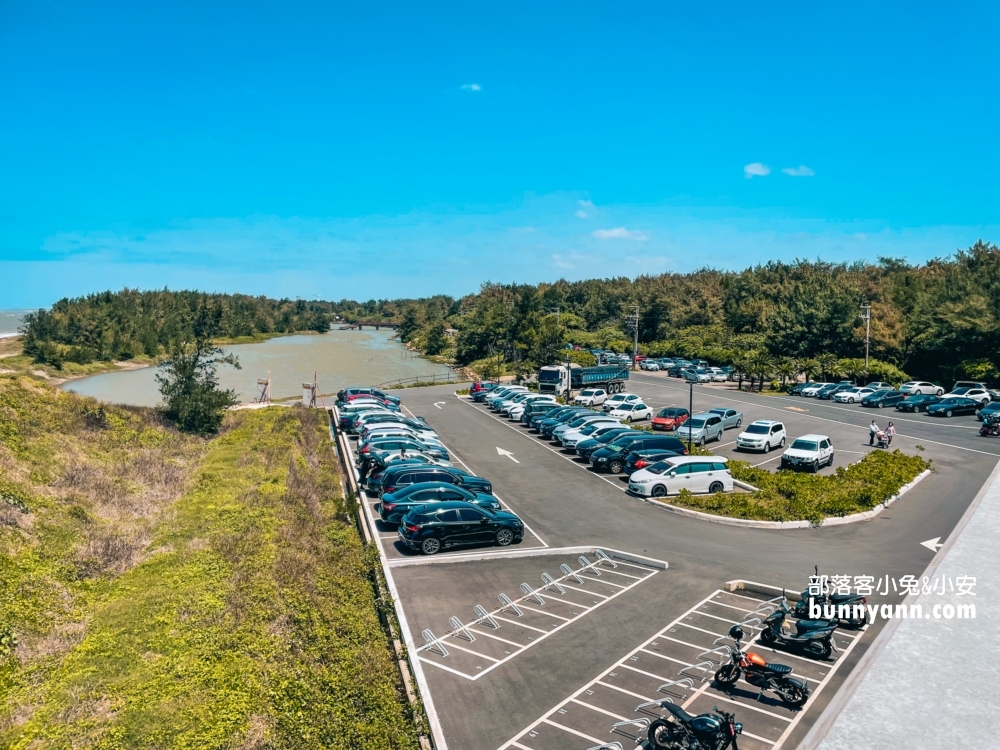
767	461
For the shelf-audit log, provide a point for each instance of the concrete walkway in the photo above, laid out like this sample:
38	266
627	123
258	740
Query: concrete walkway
934	682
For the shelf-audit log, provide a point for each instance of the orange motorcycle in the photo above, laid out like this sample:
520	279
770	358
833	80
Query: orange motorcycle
793	691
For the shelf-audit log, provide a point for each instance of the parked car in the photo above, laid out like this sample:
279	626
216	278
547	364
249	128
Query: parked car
952	405
571	438
730	417
641	459
518	403
697	375
381	459
398	443
979	395
762	435
649	364
635	411
697	474
374	479
349	416
917	403
991	408
665	363
546	426
586	448
670	418
393	429
500	404
809	451
537	420
401	475
620	398
517	410
994	394
431	528
718	374
921	388
701	428
880	399
394	505
851	395
796	390
830	391
812	390
579	421
880	385
346	393
537	410
612	456
479	389
591	397
499	394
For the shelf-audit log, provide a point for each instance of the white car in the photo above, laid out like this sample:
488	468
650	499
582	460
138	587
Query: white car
976	394
762	435
809	451
649	364
523	400
620	398
852	394
570	438
718	374
591	397
633	411
921	388
698	474
812	390
517	410
502	394
379	427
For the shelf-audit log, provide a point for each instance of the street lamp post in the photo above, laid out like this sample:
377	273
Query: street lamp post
690	412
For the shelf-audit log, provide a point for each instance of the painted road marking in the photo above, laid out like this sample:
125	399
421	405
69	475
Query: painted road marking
933	544
508	454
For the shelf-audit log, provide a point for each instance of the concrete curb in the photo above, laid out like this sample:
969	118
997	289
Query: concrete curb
832	521
408	562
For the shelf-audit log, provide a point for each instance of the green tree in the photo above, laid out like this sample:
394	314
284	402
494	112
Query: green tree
190	387
787	368
436	340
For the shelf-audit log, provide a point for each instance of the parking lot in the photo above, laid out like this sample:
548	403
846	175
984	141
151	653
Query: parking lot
533	670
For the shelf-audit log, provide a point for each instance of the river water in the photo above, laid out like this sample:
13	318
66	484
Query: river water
339	358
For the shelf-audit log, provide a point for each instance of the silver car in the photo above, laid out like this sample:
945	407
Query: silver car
701	428
730	417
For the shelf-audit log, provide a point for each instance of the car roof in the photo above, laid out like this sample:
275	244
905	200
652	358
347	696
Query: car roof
767	422
704	414
678	460
812	436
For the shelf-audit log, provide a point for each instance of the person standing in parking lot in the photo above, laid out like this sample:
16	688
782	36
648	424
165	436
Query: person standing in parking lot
889	432
872	432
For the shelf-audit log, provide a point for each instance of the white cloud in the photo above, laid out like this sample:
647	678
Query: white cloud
471	87
560	261
756	170
581	214
620	233
586	204
585	208
800	171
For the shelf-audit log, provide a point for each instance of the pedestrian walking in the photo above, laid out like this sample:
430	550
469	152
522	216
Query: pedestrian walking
889	432
872	432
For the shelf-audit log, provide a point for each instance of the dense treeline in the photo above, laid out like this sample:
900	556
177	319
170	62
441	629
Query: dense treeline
937	320
128	324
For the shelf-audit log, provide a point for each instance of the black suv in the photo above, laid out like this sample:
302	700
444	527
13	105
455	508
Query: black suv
612	457
396	477
394	505
431	528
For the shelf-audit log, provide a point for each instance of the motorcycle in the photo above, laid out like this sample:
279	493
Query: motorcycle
753	667
801	609
811	637
990	426
714	731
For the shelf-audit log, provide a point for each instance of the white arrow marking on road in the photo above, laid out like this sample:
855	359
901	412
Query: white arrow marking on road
933	544
508	454
438	403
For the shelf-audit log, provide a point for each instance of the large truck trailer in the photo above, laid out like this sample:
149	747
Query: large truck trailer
563	381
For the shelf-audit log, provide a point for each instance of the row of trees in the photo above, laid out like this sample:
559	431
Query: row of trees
123	325
939	320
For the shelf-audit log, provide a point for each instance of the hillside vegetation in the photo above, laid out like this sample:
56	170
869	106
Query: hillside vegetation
162	591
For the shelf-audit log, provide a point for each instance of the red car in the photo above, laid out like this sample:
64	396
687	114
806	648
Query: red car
670	418
640	357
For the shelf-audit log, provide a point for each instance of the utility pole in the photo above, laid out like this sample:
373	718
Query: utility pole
634	323
866	315
691	412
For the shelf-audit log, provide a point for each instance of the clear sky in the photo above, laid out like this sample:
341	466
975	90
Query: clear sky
402	149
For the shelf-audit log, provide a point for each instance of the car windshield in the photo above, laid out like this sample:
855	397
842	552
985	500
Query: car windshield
805	445
757	429
588	392
548	376
623	440
696	423
669	412
590	429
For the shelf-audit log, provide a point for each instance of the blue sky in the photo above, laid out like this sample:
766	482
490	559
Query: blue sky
334	150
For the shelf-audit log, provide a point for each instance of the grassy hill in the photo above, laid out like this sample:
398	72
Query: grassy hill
161	591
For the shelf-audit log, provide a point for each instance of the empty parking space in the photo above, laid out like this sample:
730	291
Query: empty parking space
677	665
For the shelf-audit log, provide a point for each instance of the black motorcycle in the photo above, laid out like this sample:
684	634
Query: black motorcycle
777	677
835	600
811	637
714	731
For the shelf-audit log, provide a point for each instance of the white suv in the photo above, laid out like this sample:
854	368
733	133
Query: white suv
591	397
809	451
620	399
698	474
762	435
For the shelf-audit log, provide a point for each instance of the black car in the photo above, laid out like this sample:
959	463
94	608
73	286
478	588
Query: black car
612	456
917	403
586	448
991	408
796	390
395	478
641	459
883	398
374	480
952	405
397	443
830	391
537	409
554	414
394	505
431	528
546	426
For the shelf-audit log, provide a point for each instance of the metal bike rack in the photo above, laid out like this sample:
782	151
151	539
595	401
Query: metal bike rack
602	557
686	682
720	638
530	593
643	723
750	622
485	617
702	665
570	573
460	630
654	703
607	746
549	581
723	650
433	644
763	609
508	605
587	565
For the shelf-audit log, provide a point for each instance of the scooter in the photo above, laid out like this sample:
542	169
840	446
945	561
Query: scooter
715	731
777	677
991	426
836	600
811	637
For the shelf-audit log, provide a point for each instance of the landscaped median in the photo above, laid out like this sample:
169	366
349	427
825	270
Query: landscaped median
811	499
